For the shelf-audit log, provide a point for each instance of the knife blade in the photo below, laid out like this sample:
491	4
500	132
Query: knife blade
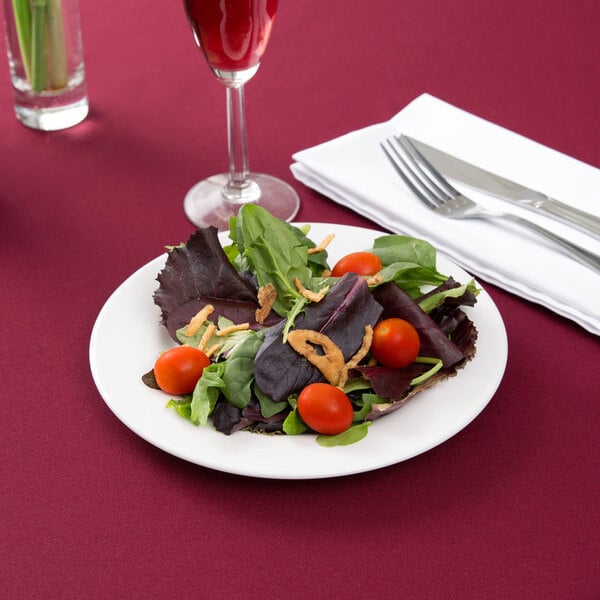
504	189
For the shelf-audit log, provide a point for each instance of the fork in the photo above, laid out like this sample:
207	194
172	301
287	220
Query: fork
439	195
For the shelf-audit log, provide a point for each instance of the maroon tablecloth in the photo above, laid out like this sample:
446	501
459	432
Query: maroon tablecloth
507	508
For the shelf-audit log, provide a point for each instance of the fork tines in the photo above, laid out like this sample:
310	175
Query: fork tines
417	172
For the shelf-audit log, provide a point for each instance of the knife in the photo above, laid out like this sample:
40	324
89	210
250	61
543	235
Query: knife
502	188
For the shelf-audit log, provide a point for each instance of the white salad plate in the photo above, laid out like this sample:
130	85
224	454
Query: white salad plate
127	338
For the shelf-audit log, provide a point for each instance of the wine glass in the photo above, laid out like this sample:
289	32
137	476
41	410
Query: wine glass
233	35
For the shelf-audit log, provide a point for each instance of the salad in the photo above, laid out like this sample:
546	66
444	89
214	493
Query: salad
271	339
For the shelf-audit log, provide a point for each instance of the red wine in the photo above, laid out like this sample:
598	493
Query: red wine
232	34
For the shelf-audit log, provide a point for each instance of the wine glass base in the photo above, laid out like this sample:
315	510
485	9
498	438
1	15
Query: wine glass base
205	204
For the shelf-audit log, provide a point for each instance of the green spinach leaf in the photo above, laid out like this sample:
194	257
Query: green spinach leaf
350	436
275	254
409	262
238	374
206	393
182	407
269	407
402	248
293	424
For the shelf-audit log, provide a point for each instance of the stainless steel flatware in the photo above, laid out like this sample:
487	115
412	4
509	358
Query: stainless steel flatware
495	185
440	196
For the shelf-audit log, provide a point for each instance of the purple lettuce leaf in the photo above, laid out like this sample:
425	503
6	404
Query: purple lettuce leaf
253	414
391	383
342	315
200	273
225	417
450	304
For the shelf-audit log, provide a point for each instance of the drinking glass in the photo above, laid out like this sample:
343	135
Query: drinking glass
45	57
233	35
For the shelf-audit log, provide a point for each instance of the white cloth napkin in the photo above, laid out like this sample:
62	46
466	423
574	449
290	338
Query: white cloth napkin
353	171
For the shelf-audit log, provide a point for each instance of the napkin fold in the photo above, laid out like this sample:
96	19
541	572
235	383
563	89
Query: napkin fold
353	171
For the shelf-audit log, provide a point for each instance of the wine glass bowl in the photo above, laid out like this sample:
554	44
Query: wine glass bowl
233	35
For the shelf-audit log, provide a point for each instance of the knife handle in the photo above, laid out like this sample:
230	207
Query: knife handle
577	252
584	221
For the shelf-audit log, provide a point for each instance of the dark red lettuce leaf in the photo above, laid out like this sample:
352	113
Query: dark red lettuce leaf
260	423
434	342
342	315
443	314
462	331
392	383
467	299
200	273
225	417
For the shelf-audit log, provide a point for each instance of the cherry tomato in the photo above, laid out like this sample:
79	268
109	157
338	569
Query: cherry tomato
325	408
395	343
178	369
361	263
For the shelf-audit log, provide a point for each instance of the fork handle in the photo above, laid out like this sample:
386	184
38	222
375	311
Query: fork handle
577	252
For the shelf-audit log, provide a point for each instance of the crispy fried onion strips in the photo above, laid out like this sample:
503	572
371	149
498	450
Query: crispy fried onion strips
267	294
325	355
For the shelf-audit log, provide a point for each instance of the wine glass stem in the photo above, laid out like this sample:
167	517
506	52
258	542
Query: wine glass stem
237	189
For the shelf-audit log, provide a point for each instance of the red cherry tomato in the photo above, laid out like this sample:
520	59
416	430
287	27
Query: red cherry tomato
325	408
361	263
177	370
395	343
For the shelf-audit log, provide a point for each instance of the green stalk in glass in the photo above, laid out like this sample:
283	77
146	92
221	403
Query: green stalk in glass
22	14
41	43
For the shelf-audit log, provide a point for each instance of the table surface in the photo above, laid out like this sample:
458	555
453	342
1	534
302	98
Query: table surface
507	508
